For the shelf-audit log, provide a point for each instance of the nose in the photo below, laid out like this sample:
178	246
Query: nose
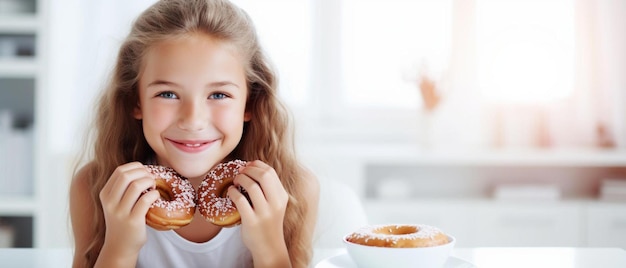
194	116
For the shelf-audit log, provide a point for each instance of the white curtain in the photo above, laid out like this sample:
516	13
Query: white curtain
82	42
594	115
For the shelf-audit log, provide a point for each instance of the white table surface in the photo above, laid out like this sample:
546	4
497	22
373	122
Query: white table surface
499	257
526	257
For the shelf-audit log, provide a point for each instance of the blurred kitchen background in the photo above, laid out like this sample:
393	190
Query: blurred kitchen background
502	122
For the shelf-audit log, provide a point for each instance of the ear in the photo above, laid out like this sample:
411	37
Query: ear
137	112
247	116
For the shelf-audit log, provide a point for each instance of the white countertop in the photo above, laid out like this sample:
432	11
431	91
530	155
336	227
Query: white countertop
510	257
31	258
526	257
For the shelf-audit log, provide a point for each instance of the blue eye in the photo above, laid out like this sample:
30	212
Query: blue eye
217	96
167	95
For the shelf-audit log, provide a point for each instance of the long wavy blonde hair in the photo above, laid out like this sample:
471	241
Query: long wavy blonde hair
118	137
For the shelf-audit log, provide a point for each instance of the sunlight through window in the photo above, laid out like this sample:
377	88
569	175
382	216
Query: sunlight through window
285	34
525	50
384	45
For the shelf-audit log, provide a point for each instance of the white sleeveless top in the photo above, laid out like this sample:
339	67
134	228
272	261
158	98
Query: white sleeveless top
168	249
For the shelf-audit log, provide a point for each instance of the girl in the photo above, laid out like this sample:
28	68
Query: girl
192	88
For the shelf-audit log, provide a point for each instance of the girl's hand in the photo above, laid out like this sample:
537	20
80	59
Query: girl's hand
125	206
262	221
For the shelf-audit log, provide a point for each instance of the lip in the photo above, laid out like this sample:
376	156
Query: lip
191	146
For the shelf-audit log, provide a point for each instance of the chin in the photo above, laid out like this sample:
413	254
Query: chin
191	170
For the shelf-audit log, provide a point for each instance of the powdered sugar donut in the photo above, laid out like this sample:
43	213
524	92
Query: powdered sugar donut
213	202
176	206
398	236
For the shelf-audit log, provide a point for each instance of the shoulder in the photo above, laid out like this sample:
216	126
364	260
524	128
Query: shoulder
81	181
82	209
81	199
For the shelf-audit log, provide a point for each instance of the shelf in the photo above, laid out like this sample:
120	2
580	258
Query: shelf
401	203
17	206
18	24
403	154
22	37
18	67
479	222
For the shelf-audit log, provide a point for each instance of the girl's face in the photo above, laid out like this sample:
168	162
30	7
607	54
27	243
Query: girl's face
192	97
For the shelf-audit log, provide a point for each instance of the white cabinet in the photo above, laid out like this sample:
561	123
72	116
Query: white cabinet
606	225
455	191
527	224
21	75
485	223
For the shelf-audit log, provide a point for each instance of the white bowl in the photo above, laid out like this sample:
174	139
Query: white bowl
424	257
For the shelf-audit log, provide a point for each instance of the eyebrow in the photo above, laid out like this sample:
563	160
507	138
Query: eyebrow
213	84
161	82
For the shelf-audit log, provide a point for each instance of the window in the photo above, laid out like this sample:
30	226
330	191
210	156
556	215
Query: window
367	53
525	50
384	46
351	68
285	34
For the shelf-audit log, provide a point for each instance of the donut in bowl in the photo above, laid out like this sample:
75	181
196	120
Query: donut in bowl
399	246
399	236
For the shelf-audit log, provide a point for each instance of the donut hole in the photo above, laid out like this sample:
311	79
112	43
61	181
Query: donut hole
245	194
400	230
165	194
224	192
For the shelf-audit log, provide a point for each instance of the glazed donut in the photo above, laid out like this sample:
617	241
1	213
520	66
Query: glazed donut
213	203
176	207
398	236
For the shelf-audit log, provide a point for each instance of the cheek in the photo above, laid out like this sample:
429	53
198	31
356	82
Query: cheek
231	119
157	117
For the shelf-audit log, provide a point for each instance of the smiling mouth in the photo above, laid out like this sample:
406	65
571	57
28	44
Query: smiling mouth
190	144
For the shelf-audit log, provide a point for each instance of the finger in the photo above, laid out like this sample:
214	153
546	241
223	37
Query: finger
267	178
260	172
144	203
117	174
133	192
244	208
253	189
124	180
